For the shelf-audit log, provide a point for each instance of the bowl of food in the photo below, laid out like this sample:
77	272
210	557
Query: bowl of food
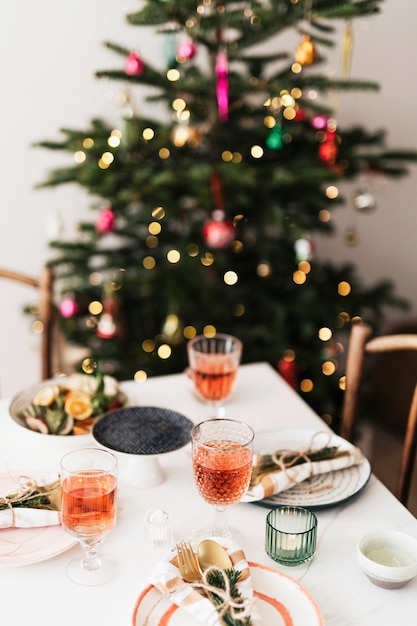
66	405
388	558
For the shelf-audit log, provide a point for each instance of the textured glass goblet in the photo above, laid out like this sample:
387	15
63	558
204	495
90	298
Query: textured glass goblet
213	366
222	452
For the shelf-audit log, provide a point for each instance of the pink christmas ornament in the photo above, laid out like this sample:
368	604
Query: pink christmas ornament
134	64
106	220
222	86
68	307
186	50
319	122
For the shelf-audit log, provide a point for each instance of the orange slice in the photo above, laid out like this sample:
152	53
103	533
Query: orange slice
77	404
46	396
83	427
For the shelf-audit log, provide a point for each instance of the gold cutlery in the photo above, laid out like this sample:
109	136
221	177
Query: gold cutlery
212	554
192	566
187	563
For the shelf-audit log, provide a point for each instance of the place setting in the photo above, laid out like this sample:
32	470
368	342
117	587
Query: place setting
58	413
207	578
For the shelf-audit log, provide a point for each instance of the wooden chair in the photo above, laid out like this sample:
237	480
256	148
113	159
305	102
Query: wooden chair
44	285
361	344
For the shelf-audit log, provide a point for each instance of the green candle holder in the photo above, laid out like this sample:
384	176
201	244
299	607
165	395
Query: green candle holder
291	535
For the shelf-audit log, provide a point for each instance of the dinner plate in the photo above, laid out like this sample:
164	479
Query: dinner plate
324	490
281	601
24	546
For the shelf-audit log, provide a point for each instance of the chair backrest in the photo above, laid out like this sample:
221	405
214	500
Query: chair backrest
44	285
361	344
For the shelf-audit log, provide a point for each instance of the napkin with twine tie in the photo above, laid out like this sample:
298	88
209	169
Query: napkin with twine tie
32	502
165	576
281	470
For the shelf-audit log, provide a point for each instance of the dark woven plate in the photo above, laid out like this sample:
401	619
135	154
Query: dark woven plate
143	430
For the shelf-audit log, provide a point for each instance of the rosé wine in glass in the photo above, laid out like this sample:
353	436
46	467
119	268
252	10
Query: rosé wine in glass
222	471
222	452
213	366
88	510
89	503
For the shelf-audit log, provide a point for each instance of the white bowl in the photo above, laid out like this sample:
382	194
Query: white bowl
388	558
75	382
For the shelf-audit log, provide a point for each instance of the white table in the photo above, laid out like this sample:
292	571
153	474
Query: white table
40	595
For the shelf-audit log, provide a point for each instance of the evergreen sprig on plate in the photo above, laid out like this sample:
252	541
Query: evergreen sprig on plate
216	579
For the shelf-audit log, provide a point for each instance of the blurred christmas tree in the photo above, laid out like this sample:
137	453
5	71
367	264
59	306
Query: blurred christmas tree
203	220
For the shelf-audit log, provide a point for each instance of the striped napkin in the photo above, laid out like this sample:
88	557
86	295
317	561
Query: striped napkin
25	515
166	578
278	480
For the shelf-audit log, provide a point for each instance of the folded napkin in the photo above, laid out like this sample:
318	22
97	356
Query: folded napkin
31	503
292	467
165	576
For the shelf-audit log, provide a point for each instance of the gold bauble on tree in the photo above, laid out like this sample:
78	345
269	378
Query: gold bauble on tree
305	53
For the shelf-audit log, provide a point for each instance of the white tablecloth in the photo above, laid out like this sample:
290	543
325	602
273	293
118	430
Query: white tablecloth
40	594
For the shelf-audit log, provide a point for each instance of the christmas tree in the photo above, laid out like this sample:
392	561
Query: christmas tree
203	217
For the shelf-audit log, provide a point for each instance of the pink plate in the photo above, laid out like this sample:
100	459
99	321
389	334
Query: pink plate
23	546
281	601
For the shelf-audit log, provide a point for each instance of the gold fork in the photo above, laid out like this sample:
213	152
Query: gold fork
187	562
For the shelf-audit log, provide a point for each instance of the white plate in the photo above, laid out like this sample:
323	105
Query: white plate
324	490
23	546
281	601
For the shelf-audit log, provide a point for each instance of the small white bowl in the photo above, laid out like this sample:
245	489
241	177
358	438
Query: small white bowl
388	558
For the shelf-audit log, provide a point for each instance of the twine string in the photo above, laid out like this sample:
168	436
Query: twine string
286	459
27	491
239	608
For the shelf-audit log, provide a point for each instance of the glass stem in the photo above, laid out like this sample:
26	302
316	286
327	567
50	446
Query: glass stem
91	548
221	526
218	411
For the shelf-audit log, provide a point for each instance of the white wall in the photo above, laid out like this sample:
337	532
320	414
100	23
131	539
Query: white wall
49	52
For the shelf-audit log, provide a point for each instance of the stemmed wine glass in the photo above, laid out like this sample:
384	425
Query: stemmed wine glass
213	365
88	510
222	452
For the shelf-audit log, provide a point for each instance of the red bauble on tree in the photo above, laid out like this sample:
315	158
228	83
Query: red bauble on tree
218	232
287	369
328	149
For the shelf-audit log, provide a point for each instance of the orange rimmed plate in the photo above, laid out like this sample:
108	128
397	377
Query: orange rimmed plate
281	601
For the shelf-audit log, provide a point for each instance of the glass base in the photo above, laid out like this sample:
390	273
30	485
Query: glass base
78	574
230	533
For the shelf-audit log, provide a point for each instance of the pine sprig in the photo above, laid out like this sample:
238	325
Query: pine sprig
34	502
266	463
216	579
